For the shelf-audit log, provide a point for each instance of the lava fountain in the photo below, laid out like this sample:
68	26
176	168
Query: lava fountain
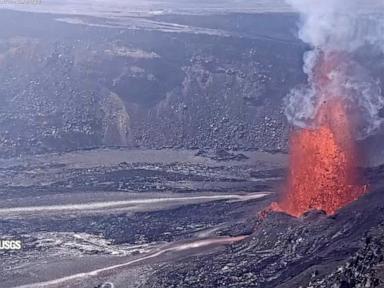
338	105
324	157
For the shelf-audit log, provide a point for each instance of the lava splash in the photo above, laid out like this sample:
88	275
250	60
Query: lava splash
323	160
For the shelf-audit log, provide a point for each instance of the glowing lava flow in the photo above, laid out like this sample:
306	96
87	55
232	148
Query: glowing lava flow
323	161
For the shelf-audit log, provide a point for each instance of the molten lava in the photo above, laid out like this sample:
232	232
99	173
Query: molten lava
323	161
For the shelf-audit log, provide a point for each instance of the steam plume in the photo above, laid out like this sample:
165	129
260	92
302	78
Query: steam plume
338	29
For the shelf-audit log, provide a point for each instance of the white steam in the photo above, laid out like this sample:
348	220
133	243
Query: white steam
338	27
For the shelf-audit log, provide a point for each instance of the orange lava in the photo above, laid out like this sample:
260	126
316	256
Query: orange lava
323	163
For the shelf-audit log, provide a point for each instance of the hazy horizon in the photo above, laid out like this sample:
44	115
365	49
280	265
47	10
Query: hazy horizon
128	7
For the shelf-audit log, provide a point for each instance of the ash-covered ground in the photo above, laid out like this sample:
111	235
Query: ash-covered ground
82	211
178	218
138	150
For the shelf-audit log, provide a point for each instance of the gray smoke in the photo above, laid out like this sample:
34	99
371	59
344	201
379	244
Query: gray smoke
342	27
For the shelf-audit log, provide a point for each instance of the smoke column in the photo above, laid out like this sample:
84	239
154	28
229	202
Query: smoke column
339	104
336	27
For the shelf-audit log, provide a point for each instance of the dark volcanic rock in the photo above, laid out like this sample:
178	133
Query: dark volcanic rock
67	86
345	250
222	155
